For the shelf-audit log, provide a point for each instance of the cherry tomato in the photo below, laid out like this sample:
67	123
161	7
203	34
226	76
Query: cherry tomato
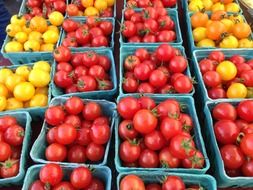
96	184
100	134
70	25
77	154
183	84
106	27
245	110
5	151
9	168
51	135
65	134
126	130
246	145
212	79
127	107
74	105
217	56
154	140
224	111
131	182
157	78
148	159
14	135
51	174
167	160
146	88
95	152
173	182
169	107
178	64
247	168
56	152
196	161
105	62
170	127
86	83
165	52
147	103
64	66
206	65
129	151
83	36
37	185
64	185
7	121
216	93
54	115
62	54
81	177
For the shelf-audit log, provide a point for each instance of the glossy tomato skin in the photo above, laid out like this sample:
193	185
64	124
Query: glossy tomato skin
56	152
100	134
170	127
157	78
126	130
129	152
245	110
246	145
217	56
173	183
196	161
37	185
74	105
86	83
95	152
206	65
131	182
183	84
127	107
9	168
77	154
65	134
224	111
14	135
154	140
7	121
96	184
91	111
81	177
165	52
51	135
62	54
167	160
83	136
51	173
148	159
247	168
153	186
64	185
216	93
147	102
54	115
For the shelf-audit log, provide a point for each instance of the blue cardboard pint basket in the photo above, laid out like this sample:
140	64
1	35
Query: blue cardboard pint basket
83	20
24	120
126	51
190	109
105	94
102	172
35	112
38	149
223	180
174	16
205	181
190	34
198	55
174	8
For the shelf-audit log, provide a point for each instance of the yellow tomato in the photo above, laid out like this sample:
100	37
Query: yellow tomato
3	103
232	7
13	46
87	3
43	90
39	100
218	7
26	29
207	4
24	91
38	24
39	78
21	37
110	3
100	5
47	47
229	42
208	23
245	43
206	43
91	11
13	29
50	37
3	90
228	24
236	18
4	74
42	65
37	36
13	81
196	5
237	90
199	34
19	20
23	71
13	104
32	45
56	18
227	70
54	28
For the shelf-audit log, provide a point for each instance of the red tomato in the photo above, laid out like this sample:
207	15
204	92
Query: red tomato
169	107
16	152
142	54
37	185
62	54
144	121
91	111
166	36
149	38
128	29
247	168
77	59
97	72
64	66
83	136
169	3
165	52
207	65
83	36
136	18
65	134
182	146
100	134
146	88
237	59
232	156
246	145
212	79
105	62
69	25
5	151
131	62
54	115
77	154
64	185
157	78
59	6
33	3
96	184
9	168
128	13
153	186
186	121
81	177
178	64
130	85
7	121
127	107
51	135
90	58
173	183
196	161
126	130
142	71
216	93
154	140
14	135
170	127
131	182
51	174
166	23
217	56
147	102
245	110
56	152
95	152
129	151
106	27
183	84
74	105
103	120
151	25
224	111
72	10
63	79
93	21
144	3
148	159
105	84
86	83
167	160
247	77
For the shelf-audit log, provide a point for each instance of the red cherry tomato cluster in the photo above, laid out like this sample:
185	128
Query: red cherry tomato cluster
166	134
44	7
233	129
51	176
93	33
11	139
161	71
151	25
170	182
151	3
227	77
81	72
79	132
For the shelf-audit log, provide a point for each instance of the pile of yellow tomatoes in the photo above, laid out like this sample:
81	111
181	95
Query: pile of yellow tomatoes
221	30
25	86
214	5
36	35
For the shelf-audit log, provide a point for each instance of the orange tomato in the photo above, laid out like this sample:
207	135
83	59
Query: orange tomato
38	24
241	30
215	30
218	15
72	10
227	1
199	19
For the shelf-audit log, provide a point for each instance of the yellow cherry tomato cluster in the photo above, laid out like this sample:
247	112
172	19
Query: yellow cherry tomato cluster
35	35
25	86
214	5
220	30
